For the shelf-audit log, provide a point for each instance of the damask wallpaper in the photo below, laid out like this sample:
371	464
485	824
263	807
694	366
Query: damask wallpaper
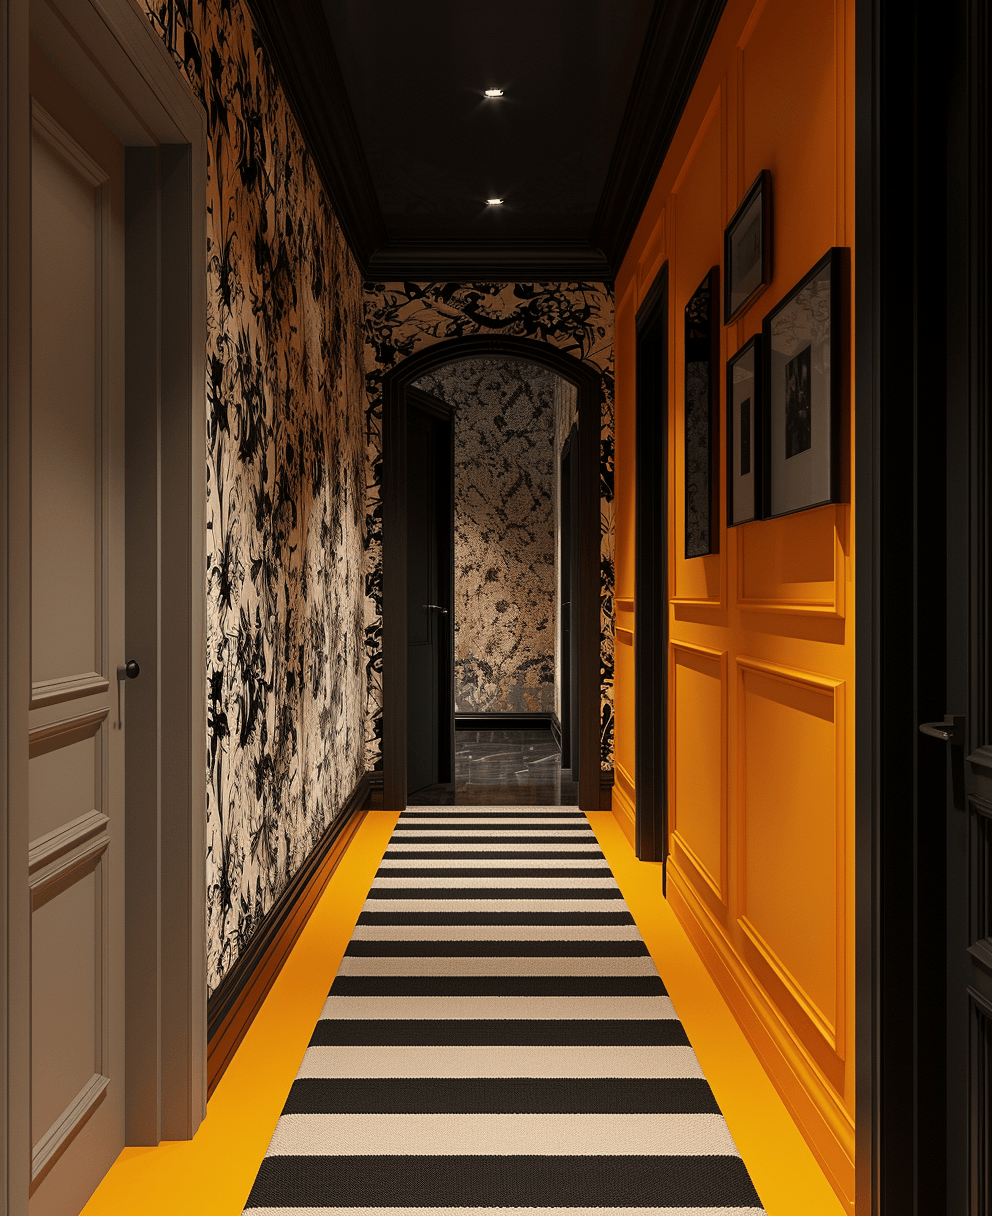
402	319
504	533
285	456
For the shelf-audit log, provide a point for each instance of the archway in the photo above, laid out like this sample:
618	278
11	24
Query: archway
395	383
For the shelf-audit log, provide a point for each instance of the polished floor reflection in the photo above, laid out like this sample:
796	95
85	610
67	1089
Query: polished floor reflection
503	768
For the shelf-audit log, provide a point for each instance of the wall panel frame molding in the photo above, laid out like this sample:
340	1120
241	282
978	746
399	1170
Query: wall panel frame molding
831	564
711	878
651	574
814	1021
109	54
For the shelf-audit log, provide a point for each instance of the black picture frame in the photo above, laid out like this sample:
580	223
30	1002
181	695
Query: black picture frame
804	338
701	424
745	451
747	249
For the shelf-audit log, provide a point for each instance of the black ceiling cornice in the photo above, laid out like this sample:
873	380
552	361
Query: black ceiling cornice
546	261
675	45
298	41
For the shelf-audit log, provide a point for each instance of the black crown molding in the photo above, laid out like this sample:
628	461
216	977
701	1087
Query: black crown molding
462	261
299	44
675	45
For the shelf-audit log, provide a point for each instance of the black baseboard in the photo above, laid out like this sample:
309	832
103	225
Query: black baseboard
556	730
509	721
376	784
233	1004
606	789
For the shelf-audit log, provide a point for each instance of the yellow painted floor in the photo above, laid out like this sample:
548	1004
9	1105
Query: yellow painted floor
212	1174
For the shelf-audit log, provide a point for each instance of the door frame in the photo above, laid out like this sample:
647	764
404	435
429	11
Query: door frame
651	576
394	493
567	568
150	104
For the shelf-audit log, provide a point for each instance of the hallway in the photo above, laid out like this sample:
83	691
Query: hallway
504	767
215	1171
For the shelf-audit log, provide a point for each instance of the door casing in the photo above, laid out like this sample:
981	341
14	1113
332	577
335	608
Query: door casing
149	106
394	589
651	575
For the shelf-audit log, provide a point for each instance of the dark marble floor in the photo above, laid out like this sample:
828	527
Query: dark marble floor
503	768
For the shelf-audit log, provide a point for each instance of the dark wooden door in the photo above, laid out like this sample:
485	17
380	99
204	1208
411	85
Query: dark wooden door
430	527
964	733
567	603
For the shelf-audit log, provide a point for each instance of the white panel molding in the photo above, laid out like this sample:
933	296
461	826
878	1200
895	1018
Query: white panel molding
58	1137
62	733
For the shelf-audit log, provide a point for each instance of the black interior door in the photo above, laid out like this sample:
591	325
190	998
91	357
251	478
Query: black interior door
430	528
567	603
964	733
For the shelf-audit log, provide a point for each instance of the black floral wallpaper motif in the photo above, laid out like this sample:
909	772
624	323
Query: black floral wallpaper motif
504	533
285	454
404	318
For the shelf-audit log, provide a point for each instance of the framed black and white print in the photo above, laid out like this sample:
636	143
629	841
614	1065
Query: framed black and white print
804	337
701	423
747	249
744	448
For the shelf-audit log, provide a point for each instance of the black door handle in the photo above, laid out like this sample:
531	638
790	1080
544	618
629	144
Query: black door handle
130	671
951	730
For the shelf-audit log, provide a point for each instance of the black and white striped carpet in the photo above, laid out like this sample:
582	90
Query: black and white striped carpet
497	1037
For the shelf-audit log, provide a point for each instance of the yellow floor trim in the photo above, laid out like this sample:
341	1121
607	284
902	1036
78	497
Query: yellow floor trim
784	1171
212	1174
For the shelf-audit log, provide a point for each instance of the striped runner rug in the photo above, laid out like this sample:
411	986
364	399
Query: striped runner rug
497	1037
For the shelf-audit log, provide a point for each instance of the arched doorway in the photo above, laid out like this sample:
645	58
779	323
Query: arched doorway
394	548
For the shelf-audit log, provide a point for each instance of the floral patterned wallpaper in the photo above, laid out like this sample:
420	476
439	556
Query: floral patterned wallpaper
404	318
285	454
505	572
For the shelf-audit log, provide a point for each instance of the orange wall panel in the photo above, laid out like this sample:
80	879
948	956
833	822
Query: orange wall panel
790	823
792	560
761	762
699	763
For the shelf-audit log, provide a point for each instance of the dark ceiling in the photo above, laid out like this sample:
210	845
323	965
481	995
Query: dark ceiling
390	96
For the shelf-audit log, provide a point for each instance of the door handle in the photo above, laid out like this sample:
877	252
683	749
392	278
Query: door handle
951	730
130	671
437	607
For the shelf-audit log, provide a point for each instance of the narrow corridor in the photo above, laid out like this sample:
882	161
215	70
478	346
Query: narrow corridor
214	1173
497	1037
504	768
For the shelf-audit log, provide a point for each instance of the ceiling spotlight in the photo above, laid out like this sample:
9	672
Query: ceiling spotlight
494	93
494	202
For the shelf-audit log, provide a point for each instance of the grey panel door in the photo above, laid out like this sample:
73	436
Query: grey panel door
77	711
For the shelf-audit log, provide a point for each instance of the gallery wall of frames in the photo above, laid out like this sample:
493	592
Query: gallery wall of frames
751	219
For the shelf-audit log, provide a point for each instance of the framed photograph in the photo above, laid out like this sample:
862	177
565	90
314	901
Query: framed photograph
803	340
747	249
701	421
744	447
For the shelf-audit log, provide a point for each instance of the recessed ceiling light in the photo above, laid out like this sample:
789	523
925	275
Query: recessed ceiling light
494	202
494	92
